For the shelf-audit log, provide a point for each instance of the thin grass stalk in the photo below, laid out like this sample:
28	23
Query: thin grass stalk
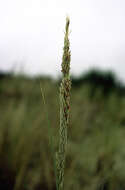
65	87
51	140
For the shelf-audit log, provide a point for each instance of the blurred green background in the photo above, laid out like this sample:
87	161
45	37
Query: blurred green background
96	136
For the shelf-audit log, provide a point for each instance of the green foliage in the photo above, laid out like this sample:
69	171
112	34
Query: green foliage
95	150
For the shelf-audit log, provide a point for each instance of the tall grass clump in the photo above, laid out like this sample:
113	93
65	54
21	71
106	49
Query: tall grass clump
65	87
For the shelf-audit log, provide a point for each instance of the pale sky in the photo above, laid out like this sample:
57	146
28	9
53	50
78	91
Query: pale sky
32	33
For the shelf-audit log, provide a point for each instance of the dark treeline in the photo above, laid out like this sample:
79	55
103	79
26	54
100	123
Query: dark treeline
4	75
105	81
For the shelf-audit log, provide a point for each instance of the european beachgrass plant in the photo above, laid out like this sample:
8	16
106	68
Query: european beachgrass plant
65	88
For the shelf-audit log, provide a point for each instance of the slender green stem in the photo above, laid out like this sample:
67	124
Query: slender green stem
51	140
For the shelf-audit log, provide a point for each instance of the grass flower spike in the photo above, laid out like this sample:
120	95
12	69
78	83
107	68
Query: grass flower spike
64	108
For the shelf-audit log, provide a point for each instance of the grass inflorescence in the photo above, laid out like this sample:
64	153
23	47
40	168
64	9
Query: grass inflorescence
65	87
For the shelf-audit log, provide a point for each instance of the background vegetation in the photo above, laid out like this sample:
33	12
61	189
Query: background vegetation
96	136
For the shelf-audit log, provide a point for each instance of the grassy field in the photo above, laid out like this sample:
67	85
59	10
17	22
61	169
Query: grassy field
96	136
